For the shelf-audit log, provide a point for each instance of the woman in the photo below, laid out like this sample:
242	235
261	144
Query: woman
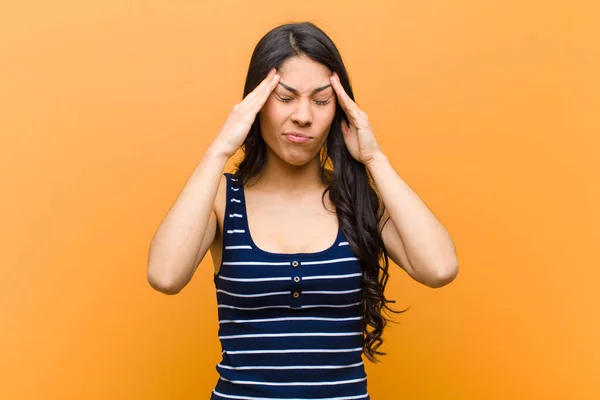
301	232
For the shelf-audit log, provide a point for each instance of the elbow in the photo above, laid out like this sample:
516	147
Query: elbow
163	284
443	275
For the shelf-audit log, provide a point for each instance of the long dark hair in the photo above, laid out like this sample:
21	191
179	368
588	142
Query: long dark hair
351	189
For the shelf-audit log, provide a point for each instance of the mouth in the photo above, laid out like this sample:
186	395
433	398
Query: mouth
297	137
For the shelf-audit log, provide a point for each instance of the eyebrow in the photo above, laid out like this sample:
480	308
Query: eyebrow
317	90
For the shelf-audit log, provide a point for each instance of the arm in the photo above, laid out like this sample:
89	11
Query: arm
189	228
414	238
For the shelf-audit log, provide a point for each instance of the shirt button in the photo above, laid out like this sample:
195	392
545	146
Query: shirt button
295	264
296	279
296	295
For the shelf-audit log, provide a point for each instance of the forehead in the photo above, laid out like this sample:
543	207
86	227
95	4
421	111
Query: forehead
304	74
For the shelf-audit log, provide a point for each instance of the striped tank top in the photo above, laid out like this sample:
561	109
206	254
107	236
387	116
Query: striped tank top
290	325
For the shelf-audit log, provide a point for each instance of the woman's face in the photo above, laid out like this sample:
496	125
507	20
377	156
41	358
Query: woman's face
296	117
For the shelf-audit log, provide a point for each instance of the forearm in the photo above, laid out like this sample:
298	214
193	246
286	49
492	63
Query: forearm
427	244
177	241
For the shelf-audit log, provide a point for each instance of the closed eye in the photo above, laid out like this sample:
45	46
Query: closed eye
285	100
319	102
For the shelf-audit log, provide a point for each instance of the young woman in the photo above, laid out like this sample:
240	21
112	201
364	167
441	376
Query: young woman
301	231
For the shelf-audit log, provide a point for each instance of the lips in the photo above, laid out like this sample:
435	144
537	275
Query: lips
297	134
296	137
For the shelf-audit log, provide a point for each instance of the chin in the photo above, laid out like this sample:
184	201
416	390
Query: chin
296	160
292	154
298	164
295	157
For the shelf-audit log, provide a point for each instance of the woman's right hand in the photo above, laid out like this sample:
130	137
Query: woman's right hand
237	125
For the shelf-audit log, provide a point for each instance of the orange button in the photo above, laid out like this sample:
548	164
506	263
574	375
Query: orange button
295	264
296	295
296	279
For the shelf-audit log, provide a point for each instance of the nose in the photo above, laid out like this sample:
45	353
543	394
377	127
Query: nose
302	113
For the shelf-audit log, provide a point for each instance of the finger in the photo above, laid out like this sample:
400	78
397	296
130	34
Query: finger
261	97
345	101
339	91
266	90
262	84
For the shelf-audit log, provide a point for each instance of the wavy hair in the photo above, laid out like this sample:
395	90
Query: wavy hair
358	207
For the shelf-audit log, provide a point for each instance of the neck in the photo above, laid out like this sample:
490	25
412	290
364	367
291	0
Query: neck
280	176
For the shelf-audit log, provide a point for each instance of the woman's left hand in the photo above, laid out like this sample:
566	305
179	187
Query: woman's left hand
358	136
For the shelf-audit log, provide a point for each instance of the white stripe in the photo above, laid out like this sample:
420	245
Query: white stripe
235	397
241	321
255	263
234	215
235	189
236	201
296	383
264	335
329	261
246	247
290	307
307	278
344	244
236	231
234	179
331	291
282	367
293	351
252	295
255	279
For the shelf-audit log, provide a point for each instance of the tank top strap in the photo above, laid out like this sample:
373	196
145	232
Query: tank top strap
235	224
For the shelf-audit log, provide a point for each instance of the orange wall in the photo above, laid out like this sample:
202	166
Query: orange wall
488	109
